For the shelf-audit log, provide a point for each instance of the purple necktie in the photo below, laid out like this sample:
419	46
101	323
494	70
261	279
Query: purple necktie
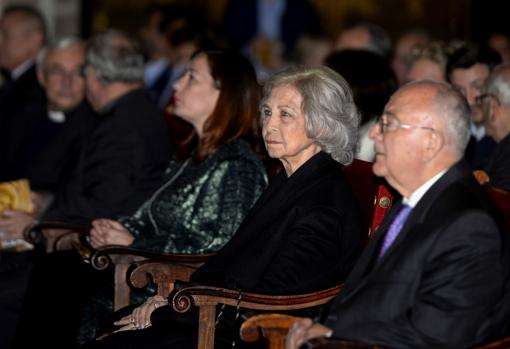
395	228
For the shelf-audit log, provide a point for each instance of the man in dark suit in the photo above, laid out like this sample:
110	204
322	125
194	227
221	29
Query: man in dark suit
22	100
468	69
436	272
495	104
120	164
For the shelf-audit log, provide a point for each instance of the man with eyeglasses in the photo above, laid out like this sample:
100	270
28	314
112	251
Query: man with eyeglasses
495	104
435	274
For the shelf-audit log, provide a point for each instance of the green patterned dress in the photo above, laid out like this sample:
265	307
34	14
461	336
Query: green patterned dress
196	210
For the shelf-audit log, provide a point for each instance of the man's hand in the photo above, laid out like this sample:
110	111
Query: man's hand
481	176
109	232
141	317
304	330
13	223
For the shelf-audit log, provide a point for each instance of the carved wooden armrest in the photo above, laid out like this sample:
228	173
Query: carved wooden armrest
122	257
56	236
163	274
206	298
274	327
205	295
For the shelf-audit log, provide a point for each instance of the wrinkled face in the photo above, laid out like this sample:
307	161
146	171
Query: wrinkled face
470	82
284	127
62	79
399	148
18	43
195	93
425	68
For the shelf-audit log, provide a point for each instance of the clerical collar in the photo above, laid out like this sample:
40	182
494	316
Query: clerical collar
477	131
416	196
56	116
20	69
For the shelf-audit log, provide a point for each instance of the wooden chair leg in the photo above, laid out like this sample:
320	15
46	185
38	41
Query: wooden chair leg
206	326
122	291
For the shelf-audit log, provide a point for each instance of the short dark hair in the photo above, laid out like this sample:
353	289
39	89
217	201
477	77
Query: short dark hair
32	14
470	54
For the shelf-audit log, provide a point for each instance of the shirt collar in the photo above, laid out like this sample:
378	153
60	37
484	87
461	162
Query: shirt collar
477	131
20	69
56	116
416	196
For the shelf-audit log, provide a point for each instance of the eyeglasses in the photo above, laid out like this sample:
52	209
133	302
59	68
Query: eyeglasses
60	73
483	97
391	124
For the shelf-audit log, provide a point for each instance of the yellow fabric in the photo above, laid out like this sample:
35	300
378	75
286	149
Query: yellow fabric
16	195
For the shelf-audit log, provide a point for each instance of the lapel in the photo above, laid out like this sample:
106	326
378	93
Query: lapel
361	274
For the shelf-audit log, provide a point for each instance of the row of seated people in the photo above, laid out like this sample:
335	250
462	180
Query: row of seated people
222	269
110	225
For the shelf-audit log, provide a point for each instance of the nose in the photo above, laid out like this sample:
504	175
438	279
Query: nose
177	85
270	124
375	132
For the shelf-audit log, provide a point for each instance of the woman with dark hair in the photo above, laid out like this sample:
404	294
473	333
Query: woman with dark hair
204	198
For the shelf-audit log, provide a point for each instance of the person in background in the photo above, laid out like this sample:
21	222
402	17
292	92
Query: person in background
364	36
428	62
495	104
436	274
59	71
467	69
22	100
404	45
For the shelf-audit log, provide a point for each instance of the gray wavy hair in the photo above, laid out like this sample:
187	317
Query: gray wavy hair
115	57
331	117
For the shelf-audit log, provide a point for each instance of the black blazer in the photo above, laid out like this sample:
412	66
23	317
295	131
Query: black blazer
22	113
121	163
302	235
441	284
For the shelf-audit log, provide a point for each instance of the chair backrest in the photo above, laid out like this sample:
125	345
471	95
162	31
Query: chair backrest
372	193
502	200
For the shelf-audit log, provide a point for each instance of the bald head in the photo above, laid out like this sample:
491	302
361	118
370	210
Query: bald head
423	131
447	109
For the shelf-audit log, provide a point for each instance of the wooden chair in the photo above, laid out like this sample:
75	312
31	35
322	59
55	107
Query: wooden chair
207	298
374	199
133	266
58	236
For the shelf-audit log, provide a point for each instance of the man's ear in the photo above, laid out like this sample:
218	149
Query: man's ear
491	111
434	142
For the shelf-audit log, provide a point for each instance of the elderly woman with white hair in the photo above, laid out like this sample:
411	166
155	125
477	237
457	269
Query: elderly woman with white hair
302	235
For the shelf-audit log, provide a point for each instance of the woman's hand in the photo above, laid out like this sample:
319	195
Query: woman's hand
109	232
13	223
141	317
